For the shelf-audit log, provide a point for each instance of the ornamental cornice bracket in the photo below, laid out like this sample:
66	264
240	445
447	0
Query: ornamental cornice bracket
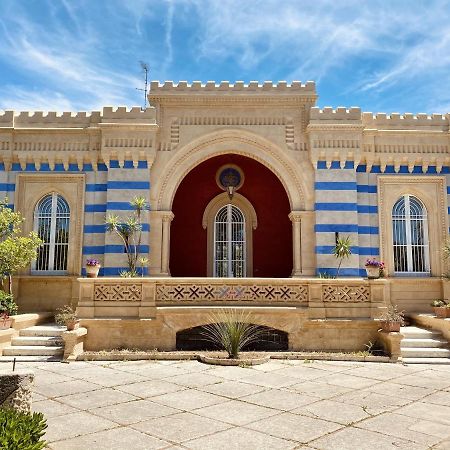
106	157
65	161
79	158
22	157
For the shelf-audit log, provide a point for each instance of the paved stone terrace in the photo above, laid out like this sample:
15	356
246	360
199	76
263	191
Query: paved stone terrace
279	405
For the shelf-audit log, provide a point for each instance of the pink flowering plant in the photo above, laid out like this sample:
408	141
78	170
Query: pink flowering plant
374	263
92	262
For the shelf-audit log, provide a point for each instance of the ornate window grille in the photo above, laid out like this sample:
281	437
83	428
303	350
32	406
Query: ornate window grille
410	237
51	222
229	243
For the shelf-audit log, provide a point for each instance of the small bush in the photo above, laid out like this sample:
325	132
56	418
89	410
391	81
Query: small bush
22	431
65	314
7	303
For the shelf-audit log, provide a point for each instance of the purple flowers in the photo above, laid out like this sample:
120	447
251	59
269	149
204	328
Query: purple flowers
92	262
374	263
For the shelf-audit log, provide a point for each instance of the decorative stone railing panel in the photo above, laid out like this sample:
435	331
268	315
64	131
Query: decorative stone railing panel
345	294
118	292
199	292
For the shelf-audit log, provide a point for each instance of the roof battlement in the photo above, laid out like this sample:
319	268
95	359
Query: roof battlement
407	120
158	89
81	119
340	113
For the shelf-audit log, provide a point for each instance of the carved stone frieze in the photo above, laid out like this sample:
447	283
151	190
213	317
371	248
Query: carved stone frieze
198	292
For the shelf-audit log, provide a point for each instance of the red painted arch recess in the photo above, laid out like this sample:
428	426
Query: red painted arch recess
272	240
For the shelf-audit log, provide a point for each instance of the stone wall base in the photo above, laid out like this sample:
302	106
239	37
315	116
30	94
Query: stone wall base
16	390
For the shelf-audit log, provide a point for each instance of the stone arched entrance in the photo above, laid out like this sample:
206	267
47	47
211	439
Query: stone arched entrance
190	249
168	173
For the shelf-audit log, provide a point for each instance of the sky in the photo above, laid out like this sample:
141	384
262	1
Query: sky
81	55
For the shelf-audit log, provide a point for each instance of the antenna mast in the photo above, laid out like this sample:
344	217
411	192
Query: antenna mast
145	68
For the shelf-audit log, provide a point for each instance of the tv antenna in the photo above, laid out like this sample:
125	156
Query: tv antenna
145	69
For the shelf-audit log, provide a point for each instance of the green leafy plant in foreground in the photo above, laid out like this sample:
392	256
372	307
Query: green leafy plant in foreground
231	330
19	430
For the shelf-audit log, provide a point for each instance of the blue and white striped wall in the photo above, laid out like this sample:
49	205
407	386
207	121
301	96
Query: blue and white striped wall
107	190
347	203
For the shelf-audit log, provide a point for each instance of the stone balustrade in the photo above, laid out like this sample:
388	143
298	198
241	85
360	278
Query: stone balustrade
322	298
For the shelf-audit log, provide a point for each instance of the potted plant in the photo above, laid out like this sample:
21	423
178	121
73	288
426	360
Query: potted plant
440	308
67	316
8	308
374	268
92	268
392	319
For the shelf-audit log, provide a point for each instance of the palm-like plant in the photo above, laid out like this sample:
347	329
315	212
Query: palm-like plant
232	330
342	250
129	230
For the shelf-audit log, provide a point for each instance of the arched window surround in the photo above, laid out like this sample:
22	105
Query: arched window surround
411	249
52	223
251	223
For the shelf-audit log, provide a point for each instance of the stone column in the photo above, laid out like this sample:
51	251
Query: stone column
295	217
303	243
167	217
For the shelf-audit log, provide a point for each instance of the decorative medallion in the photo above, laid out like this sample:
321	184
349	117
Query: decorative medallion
230	176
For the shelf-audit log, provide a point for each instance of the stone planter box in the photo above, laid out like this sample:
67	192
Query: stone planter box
217	361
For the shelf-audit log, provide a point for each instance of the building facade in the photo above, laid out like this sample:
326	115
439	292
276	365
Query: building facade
298	177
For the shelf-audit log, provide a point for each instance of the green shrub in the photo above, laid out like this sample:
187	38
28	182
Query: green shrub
22	431
7	303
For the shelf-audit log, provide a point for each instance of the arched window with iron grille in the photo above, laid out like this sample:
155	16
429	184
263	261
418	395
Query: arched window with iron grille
229	242
410	237
51	223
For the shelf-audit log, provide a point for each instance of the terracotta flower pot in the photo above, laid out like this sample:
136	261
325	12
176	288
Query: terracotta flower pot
92	271
72	325
390	327
447	312
5	324
373	272
440	311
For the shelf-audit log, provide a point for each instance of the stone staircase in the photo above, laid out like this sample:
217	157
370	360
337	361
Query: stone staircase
37	343
423	346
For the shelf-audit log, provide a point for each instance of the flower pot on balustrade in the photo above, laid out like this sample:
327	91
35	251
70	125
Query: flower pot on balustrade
5	324
390	327
373	272
72	325
441	312
92	271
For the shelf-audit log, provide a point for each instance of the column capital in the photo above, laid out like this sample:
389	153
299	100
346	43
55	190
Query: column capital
167	216
297	216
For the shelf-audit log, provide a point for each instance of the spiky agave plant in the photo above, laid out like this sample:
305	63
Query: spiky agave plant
231	330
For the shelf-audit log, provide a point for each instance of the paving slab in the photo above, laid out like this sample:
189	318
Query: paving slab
298	428
279	399
240	439
133	412
115	439
352	438
181	427
232	389
236	412
96	399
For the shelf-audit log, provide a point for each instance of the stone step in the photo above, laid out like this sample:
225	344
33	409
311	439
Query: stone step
412	332
49	341
423	342
426	360
49	330
424	352
33	350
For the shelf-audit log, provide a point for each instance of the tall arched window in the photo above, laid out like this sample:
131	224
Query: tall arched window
51	222
410	236
229	242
